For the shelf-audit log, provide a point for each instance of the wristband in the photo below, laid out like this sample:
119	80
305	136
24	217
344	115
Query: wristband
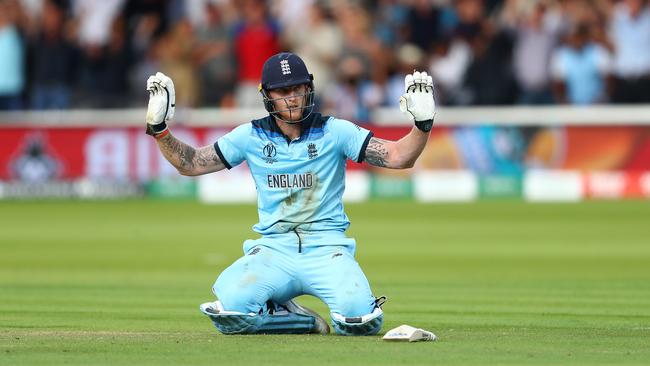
153	130
161	135
424	126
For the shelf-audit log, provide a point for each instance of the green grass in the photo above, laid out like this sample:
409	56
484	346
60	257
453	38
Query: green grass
499	283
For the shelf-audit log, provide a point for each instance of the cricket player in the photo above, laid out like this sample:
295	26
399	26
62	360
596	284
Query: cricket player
297	158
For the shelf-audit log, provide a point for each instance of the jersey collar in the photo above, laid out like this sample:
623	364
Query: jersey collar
304	125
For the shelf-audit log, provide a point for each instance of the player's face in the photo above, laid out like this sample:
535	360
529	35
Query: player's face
289	101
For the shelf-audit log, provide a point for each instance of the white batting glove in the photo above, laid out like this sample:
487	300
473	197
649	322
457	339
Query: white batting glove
162	102
417	101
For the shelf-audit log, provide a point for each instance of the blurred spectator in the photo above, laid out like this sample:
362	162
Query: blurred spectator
146	24
33	8
630	34
590	12
423	25
448	65
114	68
95	18
493	6
104	70
176	11
32	11
291	15
353	94
478	51
471	18
319	43
145	21
177	61
195	11
256	38
213	58
391	17
12	59
409	58
580	69
54	61
147	65
536	31
489	79
104	64
359	40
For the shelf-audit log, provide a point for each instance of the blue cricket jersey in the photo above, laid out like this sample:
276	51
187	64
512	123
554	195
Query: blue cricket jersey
299	183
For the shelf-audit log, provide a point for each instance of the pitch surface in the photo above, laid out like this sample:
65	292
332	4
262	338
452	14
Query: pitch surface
498	282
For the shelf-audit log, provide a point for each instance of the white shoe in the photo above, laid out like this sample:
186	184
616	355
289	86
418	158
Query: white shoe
320	324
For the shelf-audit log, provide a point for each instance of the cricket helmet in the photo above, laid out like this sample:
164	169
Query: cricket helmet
283	70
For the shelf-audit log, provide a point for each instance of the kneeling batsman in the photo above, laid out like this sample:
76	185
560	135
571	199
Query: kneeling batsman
353	308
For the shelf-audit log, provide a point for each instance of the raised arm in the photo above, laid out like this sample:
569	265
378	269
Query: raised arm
186	159
418	104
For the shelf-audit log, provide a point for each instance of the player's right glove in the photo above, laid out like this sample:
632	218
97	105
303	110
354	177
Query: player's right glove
162	103
417	101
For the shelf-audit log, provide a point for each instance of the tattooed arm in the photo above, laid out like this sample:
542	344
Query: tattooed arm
399	154
188	160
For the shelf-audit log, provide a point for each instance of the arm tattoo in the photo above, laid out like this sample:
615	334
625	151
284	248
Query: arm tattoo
178	153
188	159
376	152
206	157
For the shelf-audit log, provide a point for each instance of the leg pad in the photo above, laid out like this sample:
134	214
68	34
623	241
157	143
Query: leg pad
369	324
230	322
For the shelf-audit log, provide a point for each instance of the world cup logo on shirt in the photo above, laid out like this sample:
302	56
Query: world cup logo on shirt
269	152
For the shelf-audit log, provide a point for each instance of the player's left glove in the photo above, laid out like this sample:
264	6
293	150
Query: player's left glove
417	101
162	103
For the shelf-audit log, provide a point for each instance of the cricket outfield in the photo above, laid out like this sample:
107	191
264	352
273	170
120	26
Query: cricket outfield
502	282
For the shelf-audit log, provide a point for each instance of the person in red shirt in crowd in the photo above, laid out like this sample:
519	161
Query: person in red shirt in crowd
256	38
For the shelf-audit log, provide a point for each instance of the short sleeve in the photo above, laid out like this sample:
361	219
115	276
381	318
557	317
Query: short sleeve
351	138
231	147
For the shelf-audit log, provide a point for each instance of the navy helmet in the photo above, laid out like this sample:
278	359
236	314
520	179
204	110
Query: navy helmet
283	70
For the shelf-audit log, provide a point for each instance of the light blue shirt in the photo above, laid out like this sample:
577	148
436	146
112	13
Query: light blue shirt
12	79
631	38
299	183
583	71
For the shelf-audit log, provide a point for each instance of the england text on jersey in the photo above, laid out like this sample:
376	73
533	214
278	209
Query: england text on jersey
304	180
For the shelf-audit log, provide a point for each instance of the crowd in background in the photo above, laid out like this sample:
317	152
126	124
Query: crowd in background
60	54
